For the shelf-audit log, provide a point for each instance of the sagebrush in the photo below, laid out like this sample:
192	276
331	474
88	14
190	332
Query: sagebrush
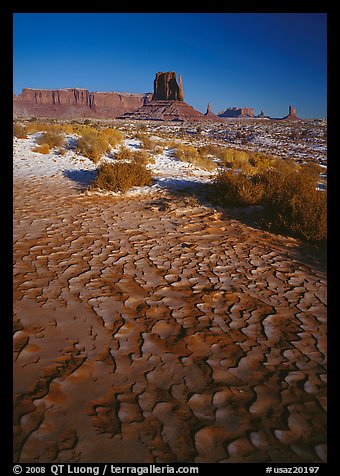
121	176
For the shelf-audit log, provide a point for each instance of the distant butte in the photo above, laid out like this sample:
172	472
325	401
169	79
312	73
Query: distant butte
210	115
75	103
291	115
167	103
238	112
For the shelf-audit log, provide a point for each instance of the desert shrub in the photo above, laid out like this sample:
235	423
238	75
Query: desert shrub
234	158
205	164
92	145
42	149
114	136
61	151
188	153
142	157
287	192
121	176
147	143
295	203
209	149
83	129
19	131
238	189
66	128
158	149
124	153
37	126
52	138
312	169
260	160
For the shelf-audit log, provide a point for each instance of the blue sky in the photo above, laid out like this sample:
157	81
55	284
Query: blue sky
265	61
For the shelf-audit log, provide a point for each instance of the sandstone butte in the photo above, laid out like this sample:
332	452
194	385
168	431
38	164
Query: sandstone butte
291	115
167	103
237	112
75	103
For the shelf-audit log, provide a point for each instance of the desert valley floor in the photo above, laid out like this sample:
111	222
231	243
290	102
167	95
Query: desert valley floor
155	328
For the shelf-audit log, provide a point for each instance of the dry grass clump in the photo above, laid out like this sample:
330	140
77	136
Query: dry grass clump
234	158
19	131
287	192
147	143
238	188
92	145
124	153
188	153
142	157
42	149
52	138
121	176
113	136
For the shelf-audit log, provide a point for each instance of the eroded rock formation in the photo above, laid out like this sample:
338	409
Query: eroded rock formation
166	87
167	103
75	102
292	116
237	112
210	115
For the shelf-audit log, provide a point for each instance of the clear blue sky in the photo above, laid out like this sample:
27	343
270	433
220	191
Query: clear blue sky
265	61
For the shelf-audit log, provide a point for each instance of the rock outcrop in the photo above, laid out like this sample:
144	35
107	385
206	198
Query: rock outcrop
291	115
165	87
210	115
167	103
237	112
75	102
262	116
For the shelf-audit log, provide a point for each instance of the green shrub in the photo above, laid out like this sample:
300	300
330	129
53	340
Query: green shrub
121	176
52	138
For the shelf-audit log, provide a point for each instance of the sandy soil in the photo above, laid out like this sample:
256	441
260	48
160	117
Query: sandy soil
151	330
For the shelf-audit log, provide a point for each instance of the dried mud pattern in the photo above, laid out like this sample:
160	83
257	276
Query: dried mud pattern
146	330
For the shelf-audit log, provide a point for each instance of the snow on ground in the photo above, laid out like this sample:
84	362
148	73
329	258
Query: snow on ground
169	173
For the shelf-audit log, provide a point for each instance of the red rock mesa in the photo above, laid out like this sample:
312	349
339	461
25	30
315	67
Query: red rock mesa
75	103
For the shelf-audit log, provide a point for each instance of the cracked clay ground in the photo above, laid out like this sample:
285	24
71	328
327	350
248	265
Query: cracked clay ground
151	330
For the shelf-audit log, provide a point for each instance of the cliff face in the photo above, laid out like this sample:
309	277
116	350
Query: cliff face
75	102
237	112
292	115
167	102
166	88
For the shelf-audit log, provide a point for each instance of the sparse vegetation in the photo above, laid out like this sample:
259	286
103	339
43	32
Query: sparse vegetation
42	149
114	136
288	193
19	131
142	157
52	138
191	154
121	176
92	145
147	143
